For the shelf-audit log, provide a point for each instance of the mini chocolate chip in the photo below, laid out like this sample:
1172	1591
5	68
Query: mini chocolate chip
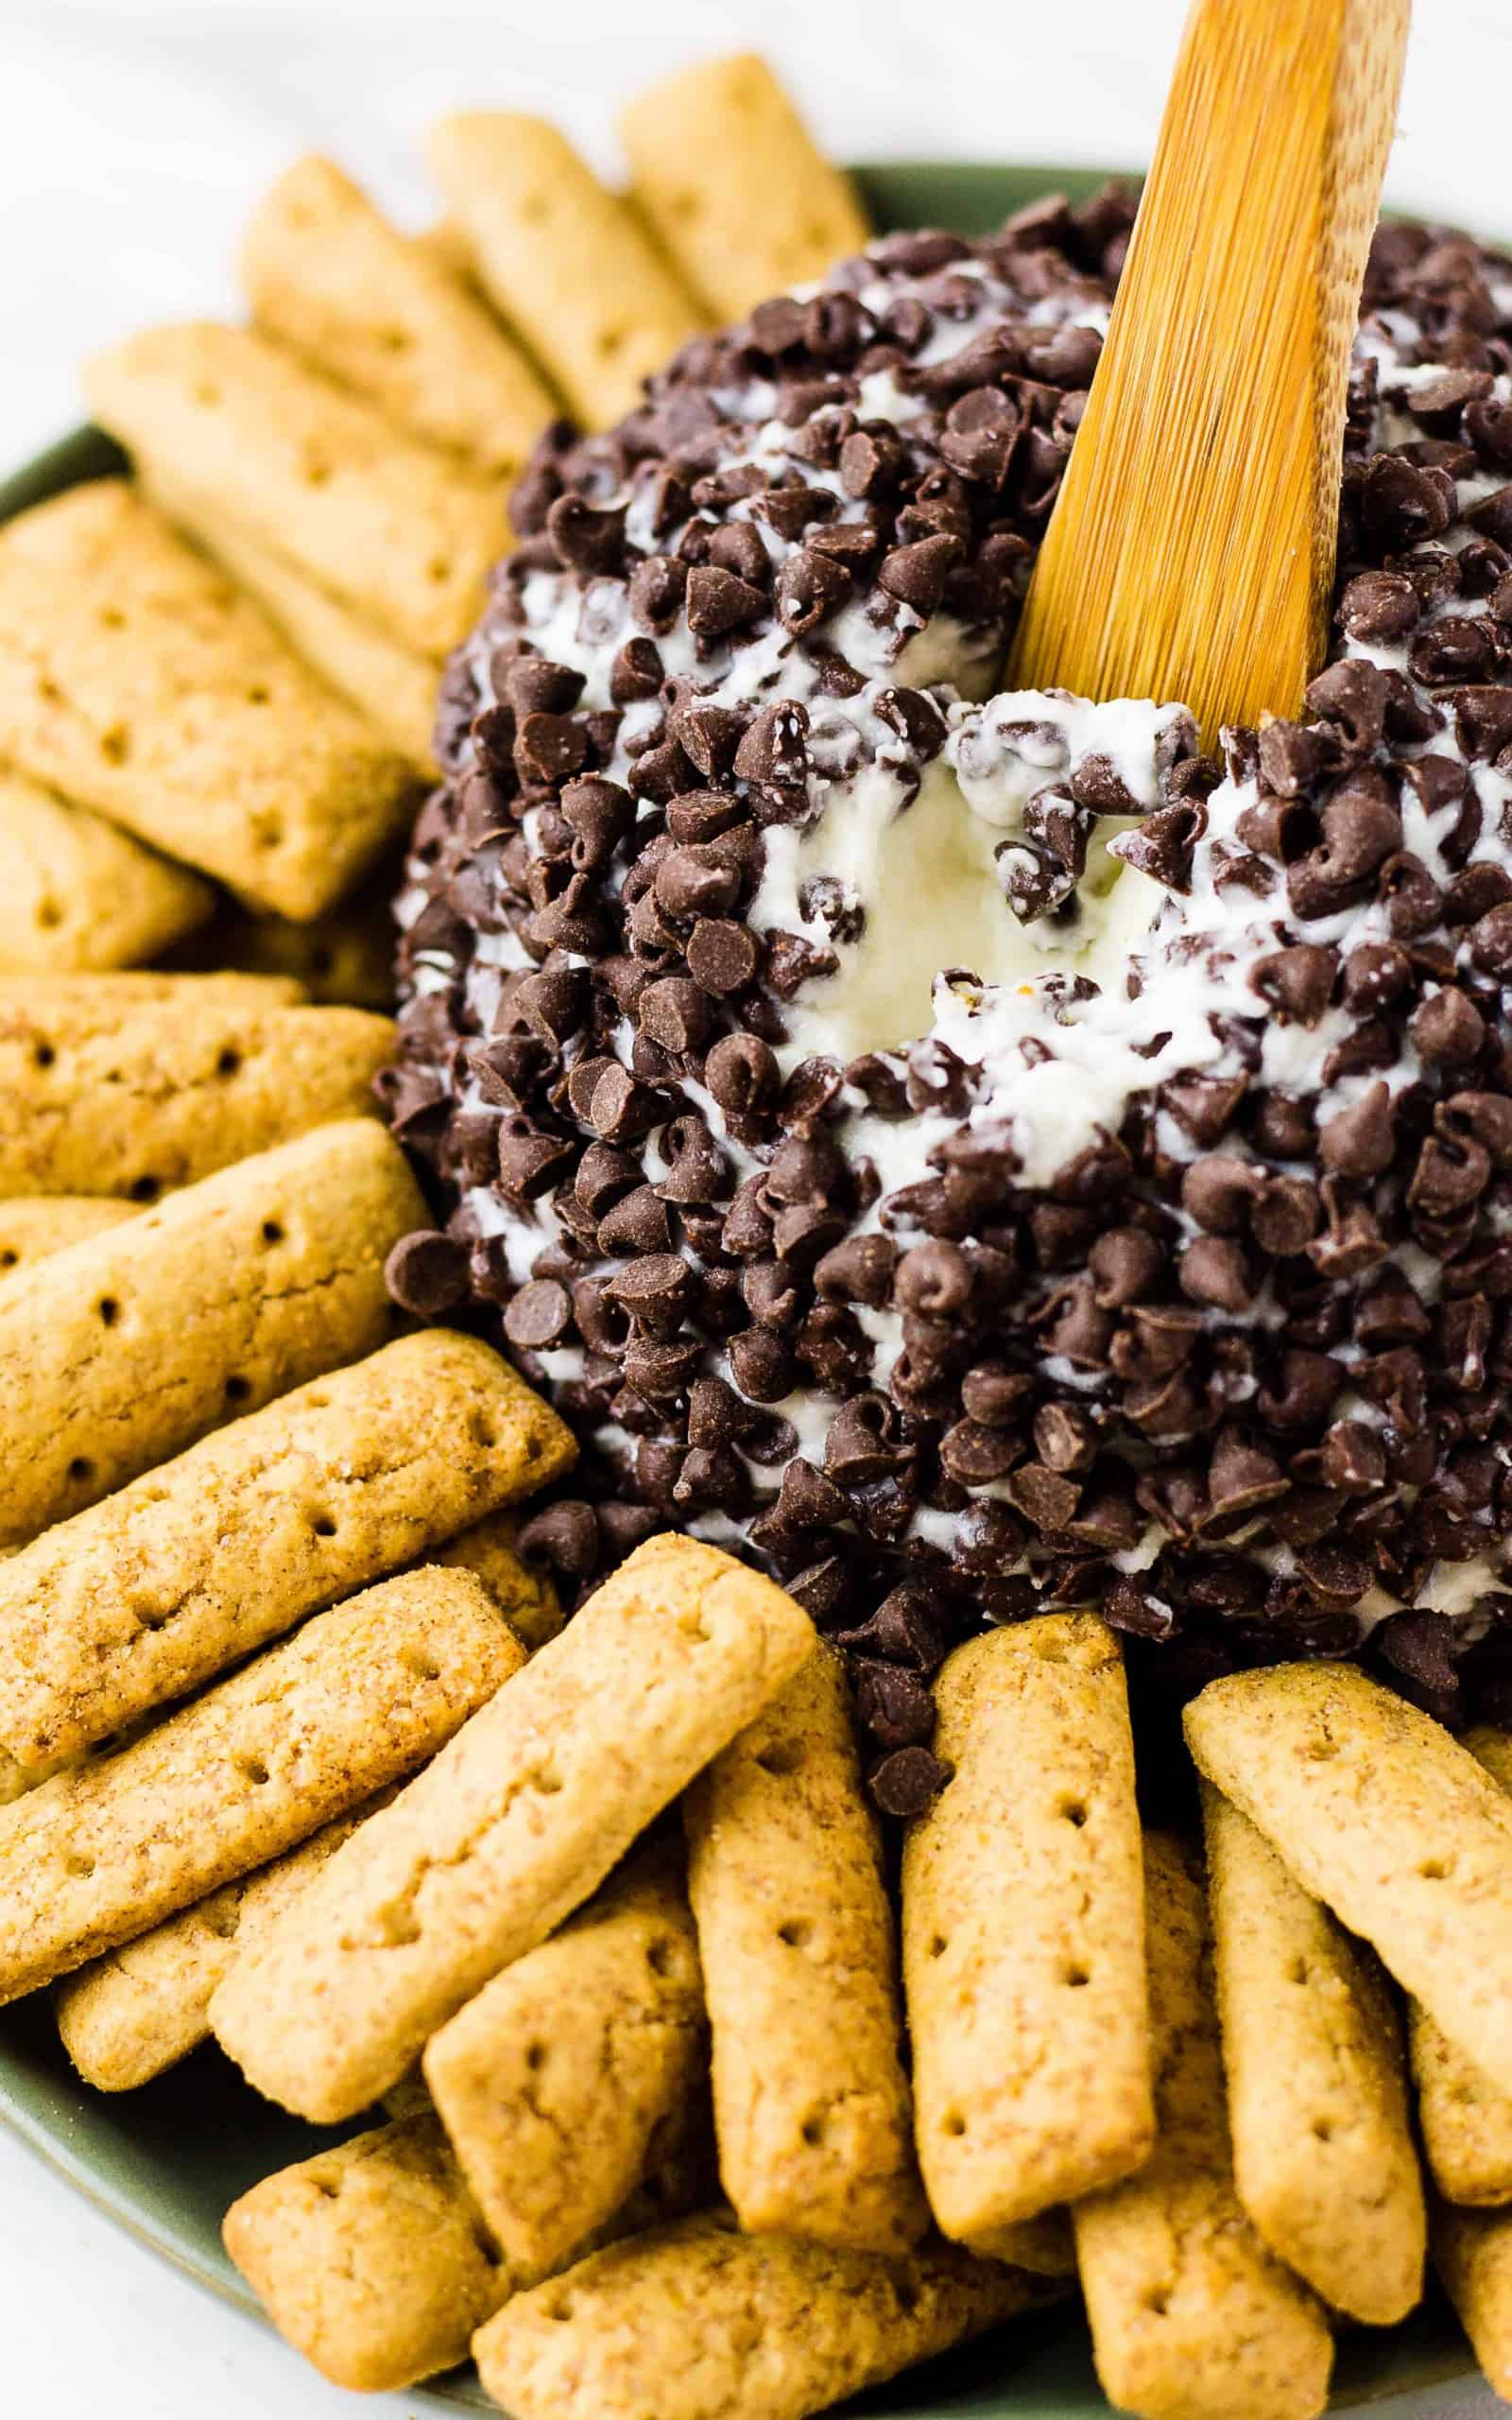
907	1783
587	537
1360	1141
538	1315
620	1110
657	588
1299	981
1353	1460
810	586
934	1280
893	1704
916	573
531	1161
674	1014
637	1222
426	1273
1378	607
722	956
1125	1263
547	748
720	602
636	672
742	1074
1213	1270
858	1271
564	1536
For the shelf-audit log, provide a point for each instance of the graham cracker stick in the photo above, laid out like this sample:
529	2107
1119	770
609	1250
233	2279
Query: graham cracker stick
135	987
136	1099
139	2011
153	1592
566	262
1388	1821
372	2260
1324	2162
306	1732
75	892
403	535
1466	2119
342	958
326	274
699	146
561	2081
394	688
503	1837
30	1229
1472	2254
695	2320
811	2103
1023	1932
137	681
375	2261
526	1598
127	1347
1191	2318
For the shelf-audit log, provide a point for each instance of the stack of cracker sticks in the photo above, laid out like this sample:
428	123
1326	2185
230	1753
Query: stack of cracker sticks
675	2101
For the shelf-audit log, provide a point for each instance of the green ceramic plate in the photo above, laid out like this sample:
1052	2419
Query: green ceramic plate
167	2161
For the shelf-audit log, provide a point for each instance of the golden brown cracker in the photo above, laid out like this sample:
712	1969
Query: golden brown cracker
136	679
559	2082
1324	2160
371	2258
136	1099
1472	2254
137	2012
1465	2119
394	688
403	535
326	274
344	958
697	2320
700	146
79	892
1191	2318
126	1348
309	1729
1023	1932
794	1930
30	1228
524	1597
503	1837
135	987
151	1593
566	262
1388	1821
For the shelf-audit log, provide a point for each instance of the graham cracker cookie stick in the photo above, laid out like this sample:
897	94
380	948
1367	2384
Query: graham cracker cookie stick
309	1729
30	1229
1023	1932
135	678
526	1598
811	2106
1388	1821
372	2260
700	146
136	2012
561	2081
326	273
697	2320
76	891
514	1828
1472	2254
1191	2317
565	261
404	535
1466	2119
151	1593
137	987
375	2261
1324	2161
136	1099
129	1346
343	958
394	688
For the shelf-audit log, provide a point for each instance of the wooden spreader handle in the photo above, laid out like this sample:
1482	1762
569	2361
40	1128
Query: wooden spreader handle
1190	551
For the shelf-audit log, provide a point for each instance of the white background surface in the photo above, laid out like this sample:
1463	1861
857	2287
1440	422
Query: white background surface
134	135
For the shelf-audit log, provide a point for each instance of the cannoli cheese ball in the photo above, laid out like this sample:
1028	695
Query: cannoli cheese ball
968	1150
